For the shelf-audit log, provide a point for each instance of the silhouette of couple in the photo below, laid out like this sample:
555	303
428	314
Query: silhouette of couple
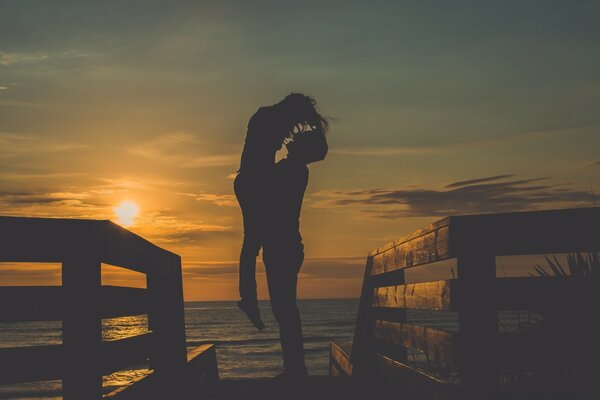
270	195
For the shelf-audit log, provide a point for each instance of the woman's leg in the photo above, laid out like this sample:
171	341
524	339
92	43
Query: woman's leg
250	248
252	243
282	274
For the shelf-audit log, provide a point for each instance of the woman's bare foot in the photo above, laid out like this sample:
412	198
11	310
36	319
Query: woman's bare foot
252	312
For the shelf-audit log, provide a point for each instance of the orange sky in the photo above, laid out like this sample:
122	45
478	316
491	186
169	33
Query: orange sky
455	109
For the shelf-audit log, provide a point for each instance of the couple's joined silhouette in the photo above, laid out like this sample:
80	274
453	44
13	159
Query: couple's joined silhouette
270	196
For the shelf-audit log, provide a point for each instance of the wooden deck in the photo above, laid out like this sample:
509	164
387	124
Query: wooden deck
319	388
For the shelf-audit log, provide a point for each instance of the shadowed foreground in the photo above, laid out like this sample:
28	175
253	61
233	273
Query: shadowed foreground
319	388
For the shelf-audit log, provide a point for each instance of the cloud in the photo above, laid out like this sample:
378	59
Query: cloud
489	194
220	160
12	144
182	149
15	199
312	268
480	180
384	151
218	199
7	59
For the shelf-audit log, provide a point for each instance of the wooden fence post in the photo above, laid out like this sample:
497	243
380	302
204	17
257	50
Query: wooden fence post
81	327
478	324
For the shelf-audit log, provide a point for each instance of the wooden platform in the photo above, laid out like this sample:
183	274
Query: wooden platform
319	388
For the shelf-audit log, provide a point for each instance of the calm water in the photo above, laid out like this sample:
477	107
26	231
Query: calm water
242	351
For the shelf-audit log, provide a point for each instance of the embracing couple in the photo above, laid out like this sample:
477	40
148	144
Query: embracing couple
270	195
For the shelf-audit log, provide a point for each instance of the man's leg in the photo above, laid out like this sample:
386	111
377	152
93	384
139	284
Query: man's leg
282	272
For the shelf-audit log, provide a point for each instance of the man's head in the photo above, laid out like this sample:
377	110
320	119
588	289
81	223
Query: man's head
300	114
308	147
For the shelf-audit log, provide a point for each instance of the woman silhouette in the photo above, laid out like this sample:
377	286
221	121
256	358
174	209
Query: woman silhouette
267	130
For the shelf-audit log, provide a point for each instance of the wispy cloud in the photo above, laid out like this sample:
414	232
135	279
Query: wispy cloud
14	58
384	151
480	180
12	144
215	198
182	149
312	268
489	194
506	139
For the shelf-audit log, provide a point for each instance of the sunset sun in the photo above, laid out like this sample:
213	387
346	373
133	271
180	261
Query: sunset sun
126	213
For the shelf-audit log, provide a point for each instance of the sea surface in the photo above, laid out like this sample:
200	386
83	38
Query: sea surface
242	351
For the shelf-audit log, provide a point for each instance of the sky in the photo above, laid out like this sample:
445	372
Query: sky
438	108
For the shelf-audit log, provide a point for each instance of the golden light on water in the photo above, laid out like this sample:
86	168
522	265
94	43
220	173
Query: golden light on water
126	213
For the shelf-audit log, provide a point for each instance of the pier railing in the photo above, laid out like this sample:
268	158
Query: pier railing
478	350
81	302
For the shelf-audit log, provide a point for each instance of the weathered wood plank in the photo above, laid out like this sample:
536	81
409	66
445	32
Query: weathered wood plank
31	303
46	303
518	233
339	357
416	382
202	364
529	232
436	343
122	353
201	368
437	295
530	293
32	363
520	293
426	248
54	239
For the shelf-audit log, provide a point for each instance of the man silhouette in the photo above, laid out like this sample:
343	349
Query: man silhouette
283	251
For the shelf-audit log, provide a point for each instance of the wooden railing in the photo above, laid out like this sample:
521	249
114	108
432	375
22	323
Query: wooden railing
477	349
81	302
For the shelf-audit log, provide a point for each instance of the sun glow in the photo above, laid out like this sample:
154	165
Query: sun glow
126	213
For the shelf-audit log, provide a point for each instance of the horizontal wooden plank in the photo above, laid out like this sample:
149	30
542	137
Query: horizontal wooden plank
139	388
46	303
122	353
436	343
427	247
520	293
202	366
339	355
202	363
416	382
438	295
31	303
524	293
37	363
54	240
119	301
530	232
28	364
517	233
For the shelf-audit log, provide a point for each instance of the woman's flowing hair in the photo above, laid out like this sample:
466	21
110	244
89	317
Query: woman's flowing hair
304	110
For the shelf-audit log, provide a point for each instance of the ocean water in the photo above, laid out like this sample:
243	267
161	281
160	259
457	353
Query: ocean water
242	351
